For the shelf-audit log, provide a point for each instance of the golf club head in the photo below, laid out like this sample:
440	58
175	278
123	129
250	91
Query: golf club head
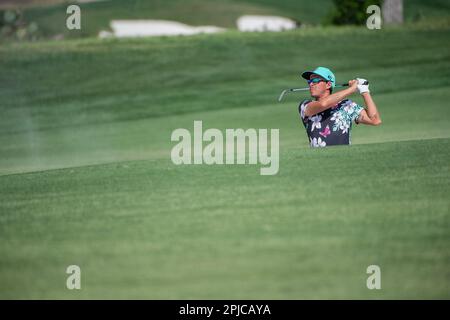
290	90
282	95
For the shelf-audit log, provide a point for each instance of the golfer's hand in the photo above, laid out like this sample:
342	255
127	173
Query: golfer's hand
362	88
353	85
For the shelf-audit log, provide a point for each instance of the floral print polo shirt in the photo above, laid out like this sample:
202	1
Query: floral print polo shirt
331	126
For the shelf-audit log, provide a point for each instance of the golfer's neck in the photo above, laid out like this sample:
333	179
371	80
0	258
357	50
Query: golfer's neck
323	95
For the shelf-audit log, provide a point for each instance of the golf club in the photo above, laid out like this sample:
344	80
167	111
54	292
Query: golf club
306	89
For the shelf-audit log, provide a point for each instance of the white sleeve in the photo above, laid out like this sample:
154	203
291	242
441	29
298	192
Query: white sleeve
303	108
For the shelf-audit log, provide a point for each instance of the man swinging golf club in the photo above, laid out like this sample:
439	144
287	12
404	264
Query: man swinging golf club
328	118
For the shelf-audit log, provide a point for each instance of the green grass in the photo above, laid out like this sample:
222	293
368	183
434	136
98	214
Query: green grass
148	229
86	176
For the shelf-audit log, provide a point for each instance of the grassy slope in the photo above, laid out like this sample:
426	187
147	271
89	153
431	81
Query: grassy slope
108	85
221	232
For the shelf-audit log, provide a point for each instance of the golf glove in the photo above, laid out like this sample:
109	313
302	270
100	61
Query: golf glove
362	88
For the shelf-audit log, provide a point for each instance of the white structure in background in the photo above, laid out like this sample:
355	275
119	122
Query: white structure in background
153	28
264	23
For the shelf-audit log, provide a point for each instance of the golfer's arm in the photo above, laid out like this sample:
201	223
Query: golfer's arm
315	107
370	115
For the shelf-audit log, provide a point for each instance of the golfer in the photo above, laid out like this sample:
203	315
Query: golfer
328	118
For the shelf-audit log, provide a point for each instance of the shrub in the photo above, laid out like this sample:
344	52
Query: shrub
350	11
14	26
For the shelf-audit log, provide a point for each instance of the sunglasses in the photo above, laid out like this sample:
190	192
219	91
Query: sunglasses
315	80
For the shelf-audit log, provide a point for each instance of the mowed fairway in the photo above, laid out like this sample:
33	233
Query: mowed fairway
86	176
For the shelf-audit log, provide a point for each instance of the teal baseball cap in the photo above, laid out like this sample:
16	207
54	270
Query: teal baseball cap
321	72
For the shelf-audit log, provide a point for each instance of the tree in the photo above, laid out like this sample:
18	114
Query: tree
392	11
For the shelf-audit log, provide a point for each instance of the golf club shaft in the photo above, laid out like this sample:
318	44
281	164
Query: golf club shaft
306	89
